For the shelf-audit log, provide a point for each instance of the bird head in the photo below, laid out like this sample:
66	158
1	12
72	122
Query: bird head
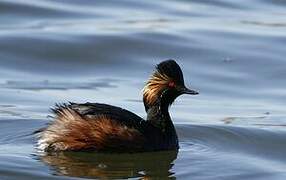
165	85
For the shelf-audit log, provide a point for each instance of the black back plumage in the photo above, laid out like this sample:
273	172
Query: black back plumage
94	110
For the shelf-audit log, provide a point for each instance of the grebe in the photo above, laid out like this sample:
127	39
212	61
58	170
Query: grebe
106	128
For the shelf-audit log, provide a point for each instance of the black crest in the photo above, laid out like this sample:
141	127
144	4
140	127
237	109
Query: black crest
172	70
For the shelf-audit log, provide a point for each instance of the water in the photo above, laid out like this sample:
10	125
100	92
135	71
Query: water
233	52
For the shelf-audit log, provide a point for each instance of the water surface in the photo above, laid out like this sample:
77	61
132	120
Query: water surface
233	52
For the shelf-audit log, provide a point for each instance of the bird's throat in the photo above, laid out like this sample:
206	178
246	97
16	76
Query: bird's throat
158	115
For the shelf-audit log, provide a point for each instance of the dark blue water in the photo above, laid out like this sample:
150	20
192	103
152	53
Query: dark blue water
233	52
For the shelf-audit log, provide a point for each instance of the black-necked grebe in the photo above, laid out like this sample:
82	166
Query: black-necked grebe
106	128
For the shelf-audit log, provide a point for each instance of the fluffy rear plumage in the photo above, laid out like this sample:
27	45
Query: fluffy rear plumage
72	131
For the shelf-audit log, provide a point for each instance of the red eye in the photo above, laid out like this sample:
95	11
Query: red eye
171	84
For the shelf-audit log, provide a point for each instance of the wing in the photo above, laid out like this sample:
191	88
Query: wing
94	110
93	126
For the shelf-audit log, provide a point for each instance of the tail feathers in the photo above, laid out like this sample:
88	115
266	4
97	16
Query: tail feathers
60	108
59	135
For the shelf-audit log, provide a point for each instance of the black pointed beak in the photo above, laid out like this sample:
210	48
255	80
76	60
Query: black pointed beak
185	90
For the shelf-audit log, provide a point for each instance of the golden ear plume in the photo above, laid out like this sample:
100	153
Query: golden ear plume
154	86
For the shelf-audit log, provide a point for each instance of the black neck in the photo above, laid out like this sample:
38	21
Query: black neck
159	116
158	113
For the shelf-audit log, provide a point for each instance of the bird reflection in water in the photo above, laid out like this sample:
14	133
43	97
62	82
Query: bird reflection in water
107	165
